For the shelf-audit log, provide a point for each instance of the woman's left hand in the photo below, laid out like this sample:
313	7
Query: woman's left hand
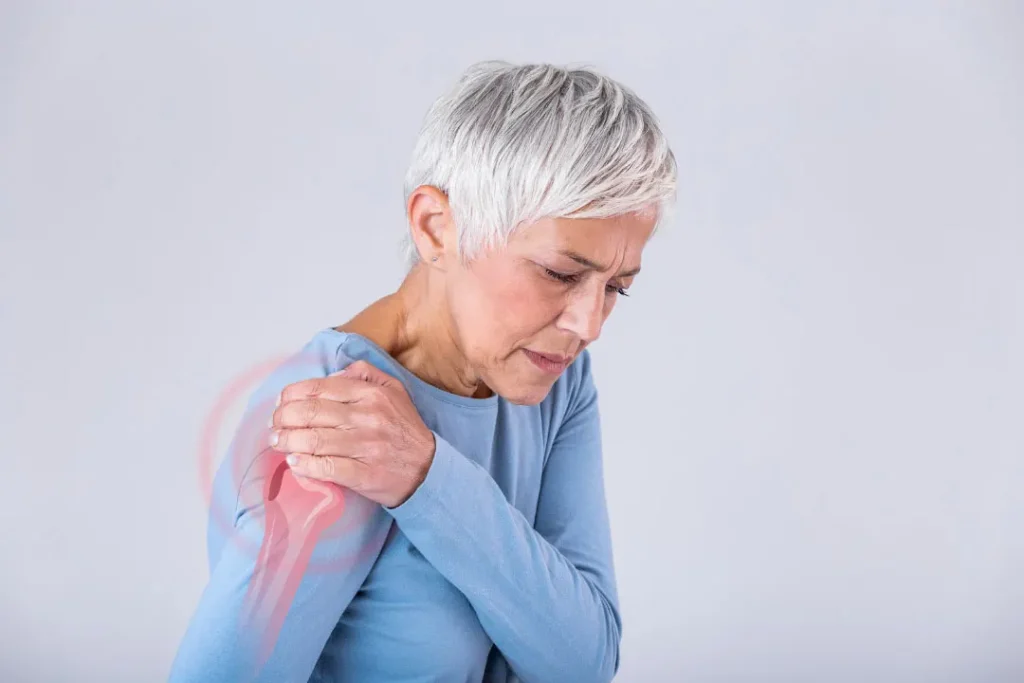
357	428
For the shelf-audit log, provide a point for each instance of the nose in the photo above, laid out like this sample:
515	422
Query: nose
584	315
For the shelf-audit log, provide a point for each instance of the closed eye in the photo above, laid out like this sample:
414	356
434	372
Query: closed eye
567	278
572	278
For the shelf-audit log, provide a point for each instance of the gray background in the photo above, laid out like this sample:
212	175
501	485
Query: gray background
812	403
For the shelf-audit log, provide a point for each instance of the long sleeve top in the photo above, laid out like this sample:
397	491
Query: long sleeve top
497	568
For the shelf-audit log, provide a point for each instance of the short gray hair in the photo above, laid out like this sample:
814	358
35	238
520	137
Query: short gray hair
512	144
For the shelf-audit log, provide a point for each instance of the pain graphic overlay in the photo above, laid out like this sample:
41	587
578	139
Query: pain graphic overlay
296	512
294	526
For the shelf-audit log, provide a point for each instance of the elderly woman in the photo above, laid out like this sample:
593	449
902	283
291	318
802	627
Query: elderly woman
427	501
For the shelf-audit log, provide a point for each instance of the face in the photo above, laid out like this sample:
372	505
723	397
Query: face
523	312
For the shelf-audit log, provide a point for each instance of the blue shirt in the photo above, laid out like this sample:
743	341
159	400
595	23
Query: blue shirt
498	566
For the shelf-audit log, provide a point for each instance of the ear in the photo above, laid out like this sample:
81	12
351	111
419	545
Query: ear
431	224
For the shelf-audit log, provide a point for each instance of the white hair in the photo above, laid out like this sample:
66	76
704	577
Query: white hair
512	144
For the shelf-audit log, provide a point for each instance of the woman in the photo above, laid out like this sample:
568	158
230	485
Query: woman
440	514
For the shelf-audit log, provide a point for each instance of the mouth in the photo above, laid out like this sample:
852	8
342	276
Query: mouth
550	364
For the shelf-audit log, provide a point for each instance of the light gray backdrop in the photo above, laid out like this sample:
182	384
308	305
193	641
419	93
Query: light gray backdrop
812	402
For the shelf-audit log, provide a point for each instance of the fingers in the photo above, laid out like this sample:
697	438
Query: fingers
338	387
368	373
314	440
314	412
353	383
342	471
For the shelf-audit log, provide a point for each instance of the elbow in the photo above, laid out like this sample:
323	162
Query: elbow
581	649
609	661
613	665
603	669
600	667
602	663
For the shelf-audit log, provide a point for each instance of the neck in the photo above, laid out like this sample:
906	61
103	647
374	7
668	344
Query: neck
414	326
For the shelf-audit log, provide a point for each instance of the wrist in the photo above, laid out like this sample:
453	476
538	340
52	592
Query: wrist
426	460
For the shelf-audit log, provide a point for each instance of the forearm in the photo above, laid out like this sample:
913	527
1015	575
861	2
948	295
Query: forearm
548	616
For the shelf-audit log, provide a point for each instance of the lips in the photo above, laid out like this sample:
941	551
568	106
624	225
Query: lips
551	364
563	360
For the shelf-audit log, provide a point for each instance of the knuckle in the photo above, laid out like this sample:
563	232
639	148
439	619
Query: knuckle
324	467
317	386
311	410
330	469
315	441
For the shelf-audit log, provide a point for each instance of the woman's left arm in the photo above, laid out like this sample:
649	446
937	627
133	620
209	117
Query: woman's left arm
544	593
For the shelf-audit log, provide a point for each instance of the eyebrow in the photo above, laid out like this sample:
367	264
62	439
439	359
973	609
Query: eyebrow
593	265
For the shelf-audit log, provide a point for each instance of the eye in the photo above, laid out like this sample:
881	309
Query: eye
567	278
572	278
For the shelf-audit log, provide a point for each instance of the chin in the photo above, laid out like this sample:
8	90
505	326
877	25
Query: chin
523	392
527	399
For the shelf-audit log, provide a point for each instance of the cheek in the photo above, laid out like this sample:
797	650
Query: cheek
500	308
524	307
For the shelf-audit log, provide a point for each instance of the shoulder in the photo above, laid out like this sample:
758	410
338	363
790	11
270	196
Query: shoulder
318	357
238	484
322	355
326	352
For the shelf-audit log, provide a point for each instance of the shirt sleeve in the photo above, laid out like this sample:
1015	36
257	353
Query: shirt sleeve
545	594
226	639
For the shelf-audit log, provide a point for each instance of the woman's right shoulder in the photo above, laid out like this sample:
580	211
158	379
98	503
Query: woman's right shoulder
326	352
321	356
241	473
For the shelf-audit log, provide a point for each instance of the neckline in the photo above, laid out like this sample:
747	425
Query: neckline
409	378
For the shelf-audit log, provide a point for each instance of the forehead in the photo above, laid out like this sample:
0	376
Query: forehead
619	236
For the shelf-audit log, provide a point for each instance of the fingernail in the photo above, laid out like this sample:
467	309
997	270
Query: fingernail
278	401
270	422
292	460
274	438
